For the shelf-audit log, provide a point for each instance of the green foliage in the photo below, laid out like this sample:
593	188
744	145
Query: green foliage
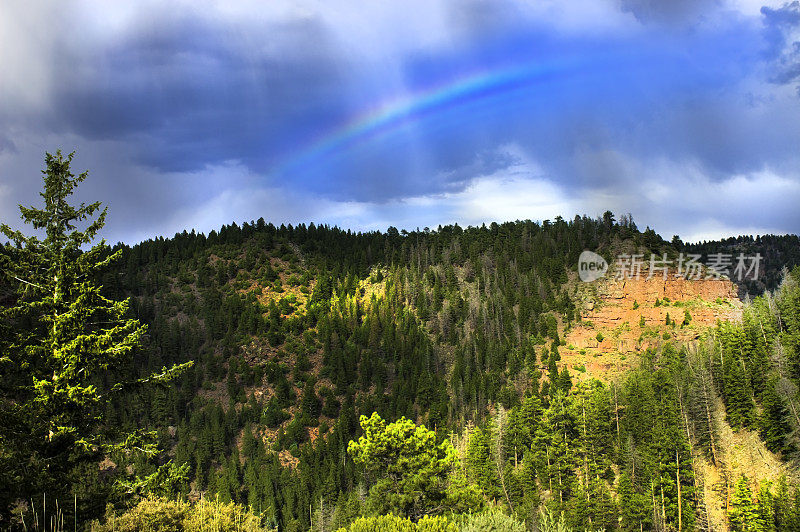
549	523
161	515
773	423
150	515
65	341
743	511
215	515
437	523
491	521
408	470
454	327
736	388
382	523
481	468
168	481
393	523
635	507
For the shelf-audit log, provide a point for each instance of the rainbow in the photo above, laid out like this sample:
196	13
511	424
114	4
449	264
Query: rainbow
393	114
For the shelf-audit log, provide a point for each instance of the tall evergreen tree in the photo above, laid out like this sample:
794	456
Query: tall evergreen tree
743	511
64	341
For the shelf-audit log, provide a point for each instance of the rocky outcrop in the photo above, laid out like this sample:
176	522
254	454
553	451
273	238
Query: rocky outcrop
625	316
627	300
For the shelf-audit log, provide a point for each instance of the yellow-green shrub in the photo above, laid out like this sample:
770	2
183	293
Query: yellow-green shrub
492	521
161	515
382	523
435	524
150	515
393	523
220	517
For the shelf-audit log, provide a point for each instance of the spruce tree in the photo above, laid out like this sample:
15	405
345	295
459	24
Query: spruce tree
65	340
481	468
635	508
773	423
743	511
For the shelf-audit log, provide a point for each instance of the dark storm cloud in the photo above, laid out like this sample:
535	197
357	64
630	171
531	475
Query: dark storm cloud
669	11
780	29
188	93
185	117
653	95
777	22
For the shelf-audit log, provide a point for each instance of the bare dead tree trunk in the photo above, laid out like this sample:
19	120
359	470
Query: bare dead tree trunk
678	483
710	421
498	452
616	413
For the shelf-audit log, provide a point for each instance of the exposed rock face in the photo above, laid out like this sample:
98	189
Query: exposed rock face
618	298
675	288
626	316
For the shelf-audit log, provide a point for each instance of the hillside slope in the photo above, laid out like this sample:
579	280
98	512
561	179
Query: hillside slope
300	331
580	397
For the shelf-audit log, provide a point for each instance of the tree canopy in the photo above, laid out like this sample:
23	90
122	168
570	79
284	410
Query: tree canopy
63	339
411	474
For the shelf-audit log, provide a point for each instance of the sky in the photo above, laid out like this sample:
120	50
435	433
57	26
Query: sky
414	113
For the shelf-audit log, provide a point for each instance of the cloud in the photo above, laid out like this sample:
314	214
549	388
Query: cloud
782	36
189	93
7	145
674	198
385	113
669	11
680	197
509	194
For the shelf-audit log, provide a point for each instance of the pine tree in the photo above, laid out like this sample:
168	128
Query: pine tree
784	512
412	474
766	507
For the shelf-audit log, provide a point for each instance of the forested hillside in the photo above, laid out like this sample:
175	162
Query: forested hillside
268	367
778	252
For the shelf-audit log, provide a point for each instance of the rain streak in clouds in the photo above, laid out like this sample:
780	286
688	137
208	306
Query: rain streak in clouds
413	114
